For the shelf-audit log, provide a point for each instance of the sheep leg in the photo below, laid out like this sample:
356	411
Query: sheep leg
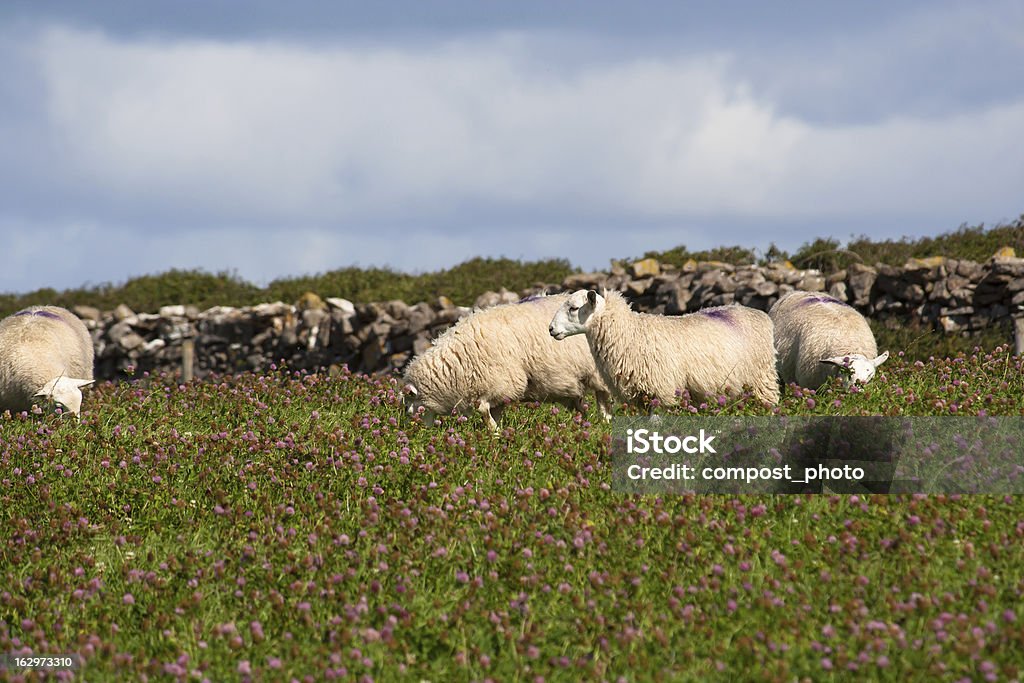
484	408
604	405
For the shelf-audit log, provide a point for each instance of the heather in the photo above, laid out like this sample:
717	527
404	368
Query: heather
291	525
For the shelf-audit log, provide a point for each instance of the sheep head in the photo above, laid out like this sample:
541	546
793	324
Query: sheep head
858	368
574	315
66	392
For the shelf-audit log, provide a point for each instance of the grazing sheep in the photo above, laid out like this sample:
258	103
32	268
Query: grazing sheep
503	353
45	352
710	352
818	336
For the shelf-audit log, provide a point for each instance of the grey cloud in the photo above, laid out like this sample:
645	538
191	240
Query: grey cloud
275	154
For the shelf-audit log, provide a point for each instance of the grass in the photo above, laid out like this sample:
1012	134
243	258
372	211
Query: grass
293	526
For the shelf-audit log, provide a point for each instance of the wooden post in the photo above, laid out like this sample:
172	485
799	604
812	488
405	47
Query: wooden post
1018	335
188	354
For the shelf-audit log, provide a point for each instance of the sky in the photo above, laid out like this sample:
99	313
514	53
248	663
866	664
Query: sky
271	139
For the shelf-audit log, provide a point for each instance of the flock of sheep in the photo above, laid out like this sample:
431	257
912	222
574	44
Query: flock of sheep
535	349
562	347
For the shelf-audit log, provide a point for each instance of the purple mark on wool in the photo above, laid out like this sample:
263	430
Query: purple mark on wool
718	314
534	297
44	314
822	299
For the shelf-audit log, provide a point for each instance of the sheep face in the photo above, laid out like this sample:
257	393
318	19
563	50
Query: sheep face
66	392
858	368
411	399
575	313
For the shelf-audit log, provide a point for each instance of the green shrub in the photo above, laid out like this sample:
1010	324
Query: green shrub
677	256
973	244
464	282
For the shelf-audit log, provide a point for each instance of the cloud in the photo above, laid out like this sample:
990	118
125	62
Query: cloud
516	144
277	132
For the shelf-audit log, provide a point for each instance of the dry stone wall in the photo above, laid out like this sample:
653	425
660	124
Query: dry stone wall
955	296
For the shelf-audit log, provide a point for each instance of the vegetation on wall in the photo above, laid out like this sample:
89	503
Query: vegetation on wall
464	282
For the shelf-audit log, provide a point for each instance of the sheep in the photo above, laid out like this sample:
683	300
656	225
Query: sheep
818	336
45	352
710	352
503	354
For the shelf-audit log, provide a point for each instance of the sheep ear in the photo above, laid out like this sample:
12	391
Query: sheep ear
833	361
881	359
591	297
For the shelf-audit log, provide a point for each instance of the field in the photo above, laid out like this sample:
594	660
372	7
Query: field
300	526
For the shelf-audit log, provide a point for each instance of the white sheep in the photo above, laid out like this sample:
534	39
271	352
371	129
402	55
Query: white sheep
500	354
818	336
45	352
708	353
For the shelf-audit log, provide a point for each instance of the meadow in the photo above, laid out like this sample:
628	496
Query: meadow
294	526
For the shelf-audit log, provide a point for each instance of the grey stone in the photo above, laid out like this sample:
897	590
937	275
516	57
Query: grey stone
343	306
637	288
838	290
87	313
812	281
122	312
677	300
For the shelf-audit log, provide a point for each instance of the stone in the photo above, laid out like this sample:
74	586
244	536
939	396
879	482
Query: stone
677	300
273	310
861	280
87	313
959	310
343	306
970	270
952	323
177	311
926	263
838	291
636	288
584	281
443	321
402	343
153	346
1007	267
372	353
122	312
776	275
129	340
705	266
420	318
315	317
1005	252
748	276
812	281
489	299
310	300
420	345
648	267
833	278
397	309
